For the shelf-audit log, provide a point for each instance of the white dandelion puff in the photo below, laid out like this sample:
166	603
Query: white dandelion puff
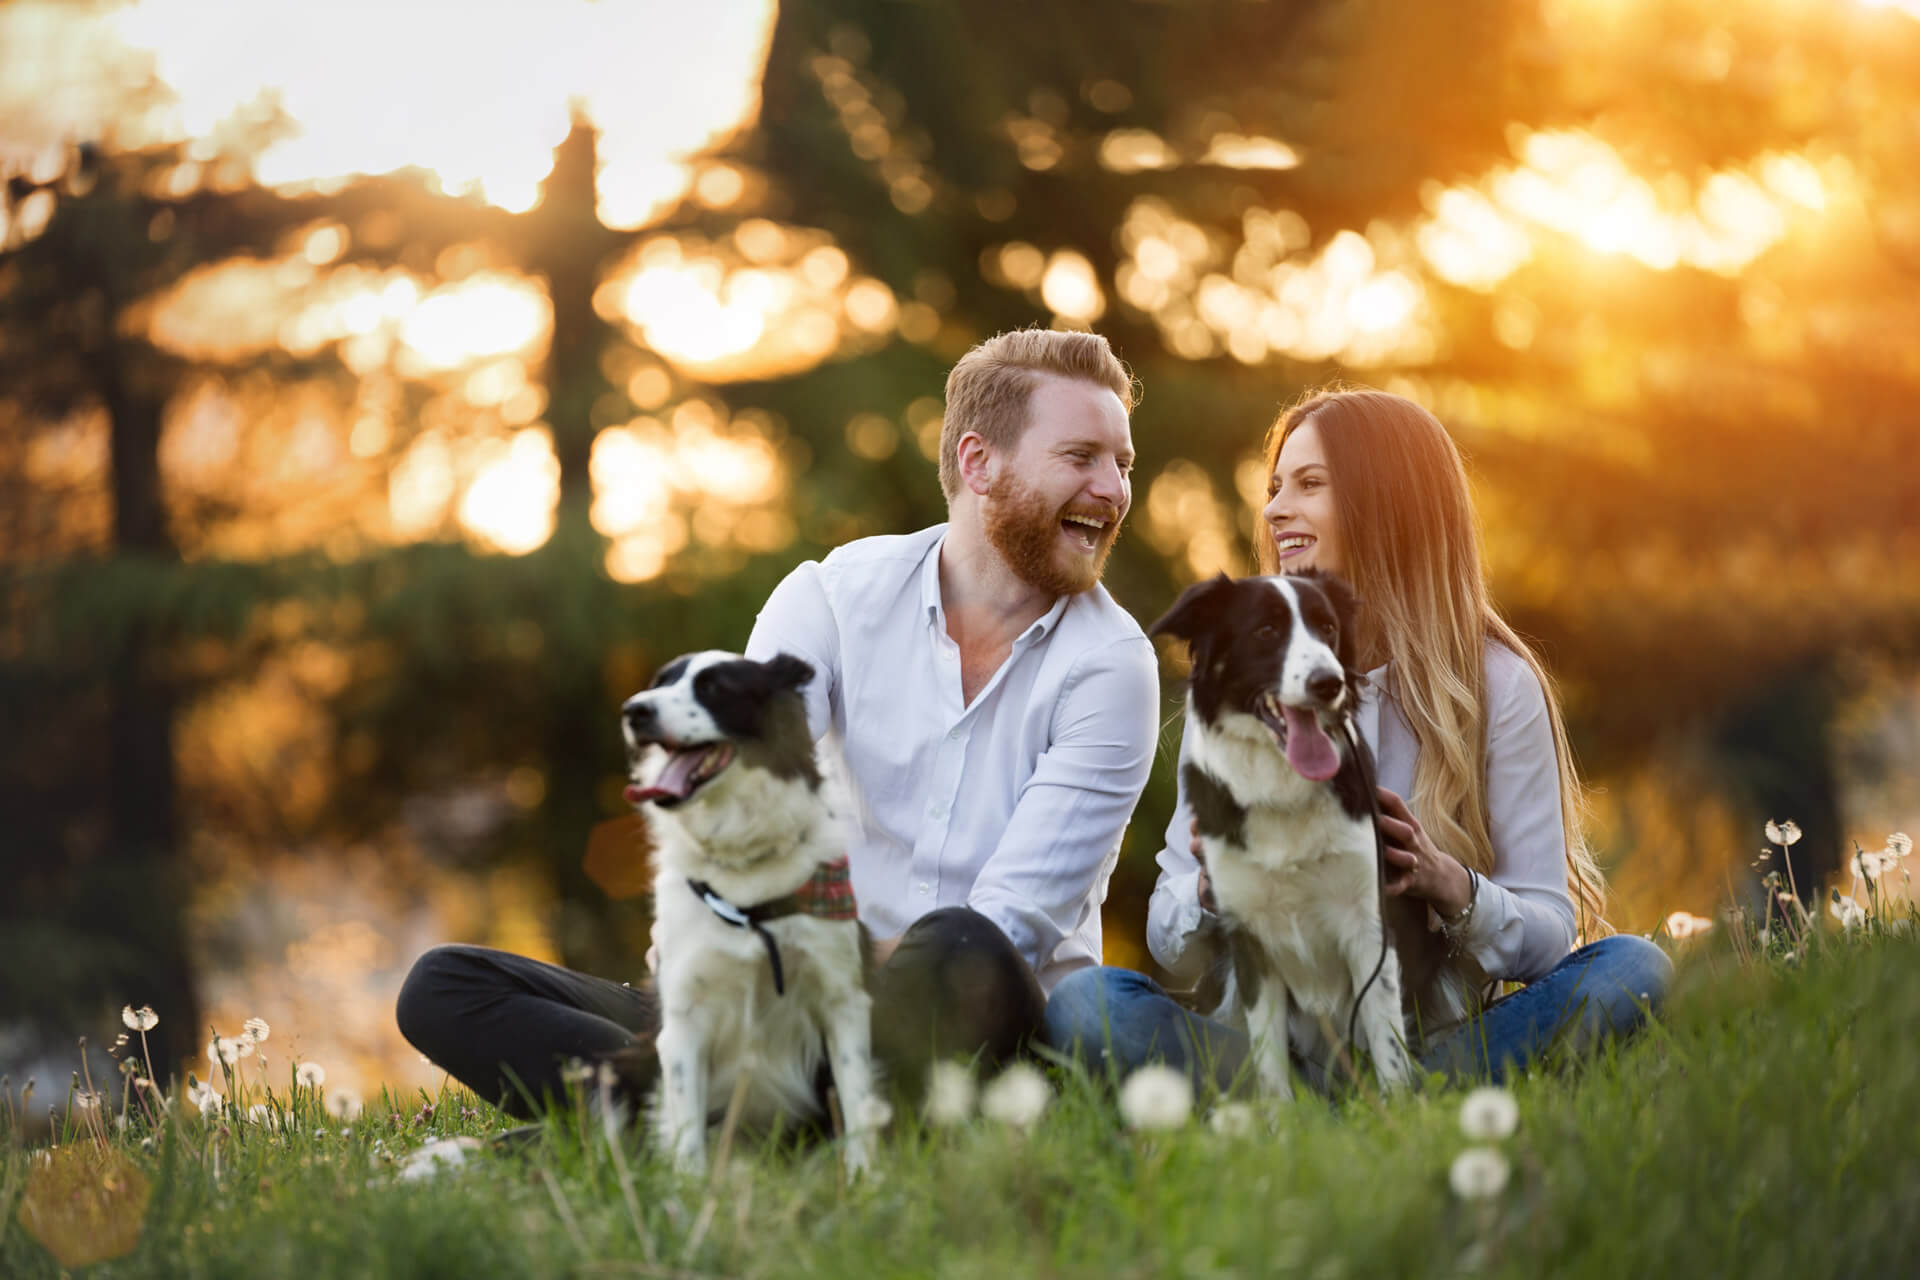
254	1029
1489	1114
1016	1097
85	1100
1870	866
204	1097
228	1050
1477	1173
263	1115
1849	913
1783	833
1684	924
950	1094
434	1157
310	1074
1899	844
1156	1097
1231	1120
141	1019
343	1104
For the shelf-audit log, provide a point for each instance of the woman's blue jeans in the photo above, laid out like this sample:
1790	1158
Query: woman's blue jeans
1117	1019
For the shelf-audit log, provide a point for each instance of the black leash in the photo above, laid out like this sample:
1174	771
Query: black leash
753	918
1364	759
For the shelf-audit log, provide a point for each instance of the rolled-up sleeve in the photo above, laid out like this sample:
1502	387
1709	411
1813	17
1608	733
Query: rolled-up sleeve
1523	920
1066	825
798	619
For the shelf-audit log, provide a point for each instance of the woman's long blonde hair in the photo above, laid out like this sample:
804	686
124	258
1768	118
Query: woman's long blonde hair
1412	553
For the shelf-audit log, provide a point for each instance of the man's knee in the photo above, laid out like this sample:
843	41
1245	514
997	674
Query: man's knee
956	985
421	1007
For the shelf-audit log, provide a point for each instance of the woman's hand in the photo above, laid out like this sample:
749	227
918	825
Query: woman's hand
1200	856
1415	867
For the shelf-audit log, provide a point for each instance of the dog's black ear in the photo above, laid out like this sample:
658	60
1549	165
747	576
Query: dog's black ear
784	671
1197	611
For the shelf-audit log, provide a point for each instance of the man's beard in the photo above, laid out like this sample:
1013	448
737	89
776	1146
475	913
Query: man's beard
1025	529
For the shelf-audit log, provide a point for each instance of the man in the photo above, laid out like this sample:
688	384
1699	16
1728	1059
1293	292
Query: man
991	710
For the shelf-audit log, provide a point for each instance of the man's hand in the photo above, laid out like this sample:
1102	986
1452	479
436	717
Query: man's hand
883	949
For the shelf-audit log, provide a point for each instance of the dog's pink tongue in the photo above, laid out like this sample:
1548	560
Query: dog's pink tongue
675	781
1309	750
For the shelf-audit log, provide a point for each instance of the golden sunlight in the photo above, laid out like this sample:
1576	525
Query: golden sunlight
659	485
767	301
1359	300
509	506
479	100
1575	184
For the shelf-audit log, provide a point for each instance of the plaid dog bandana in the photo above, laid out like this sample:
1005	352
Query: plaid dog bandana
829	894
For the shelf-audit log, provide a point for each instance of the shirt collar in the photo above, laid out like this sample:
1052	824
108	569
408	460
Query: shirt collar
1373	687
930	597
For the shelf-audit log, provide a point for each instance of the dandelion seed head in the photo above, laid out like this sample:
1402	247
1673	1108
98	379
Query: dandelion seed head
310	1074
254	1029
1489	1114
1783	833
1156	1097
1477	1173
343	1104
950	1094
1849	913
1899	844
1231	1120
229	1050
141	1019
204	1097
1870	866
1016	1097
263	1115
85	1100
1684	924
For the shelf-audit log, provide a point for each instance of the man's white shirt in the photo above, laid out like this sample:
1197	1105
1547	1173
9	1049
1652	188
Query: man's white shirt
1013	804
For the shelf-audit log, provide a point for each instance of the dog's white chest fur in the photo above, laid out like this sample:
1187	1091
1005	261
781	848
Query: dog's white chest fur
722	975
1302	880
740	819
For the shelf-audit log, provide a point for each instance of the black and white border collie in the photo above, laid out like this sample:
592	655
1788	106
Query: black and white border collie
1282	792
724	770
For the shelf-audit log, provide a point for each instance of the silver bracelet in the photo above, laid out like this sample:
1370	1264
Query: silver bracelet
1456	927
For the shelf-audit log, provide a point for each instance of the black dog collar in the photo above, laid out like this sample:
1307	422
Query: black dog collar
753	918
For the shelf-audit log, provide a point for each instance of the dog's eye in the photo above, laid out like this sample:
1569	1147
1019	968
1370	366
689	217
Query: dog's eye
1266	631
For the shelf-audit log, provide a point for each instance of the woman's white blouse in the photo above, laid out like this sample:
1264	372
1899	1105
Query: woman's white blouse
1523	920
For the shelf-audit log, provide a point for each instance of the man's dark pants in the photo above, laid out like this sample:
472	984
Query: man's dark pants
506	1026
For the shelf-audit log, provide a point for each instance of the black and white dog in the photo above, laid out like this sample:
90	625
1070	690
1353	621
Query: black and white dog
761	962
1282	792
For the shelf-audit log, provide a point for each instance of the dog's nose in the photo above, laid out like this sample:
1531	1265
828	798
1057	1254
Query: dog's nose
1325	686
638	714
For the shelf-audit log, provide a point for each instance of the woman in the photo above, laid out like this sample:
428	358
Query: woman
1478	797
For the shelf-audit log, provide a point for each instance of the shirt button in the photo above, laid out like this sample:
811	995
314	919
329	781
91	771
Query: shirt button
954	736
925	888
937	811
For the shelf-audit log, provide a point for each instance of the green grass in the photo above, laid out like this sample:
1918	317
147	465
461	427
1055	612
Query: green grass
1770	1125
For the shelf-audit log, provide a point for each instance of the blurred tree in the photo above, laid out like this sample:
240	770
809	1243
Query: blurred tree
1667	324
1661	321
